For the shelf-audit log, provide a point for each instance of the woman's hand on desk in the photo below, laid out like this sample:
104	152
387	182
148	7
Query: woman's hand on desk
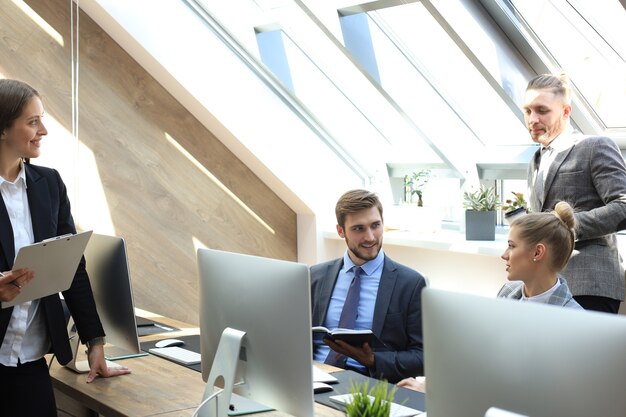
98	365
12	282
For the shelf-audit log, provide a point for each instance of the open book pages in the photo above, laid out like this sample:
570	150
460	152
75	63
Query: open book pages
352	336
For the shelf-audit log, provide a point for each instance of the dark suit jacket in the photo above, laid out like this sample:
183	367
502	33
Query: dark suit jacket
51	216
591	176
397	316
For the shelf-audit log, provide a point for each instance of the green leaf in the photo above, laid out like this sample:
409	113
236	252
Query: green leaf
375	402
483	199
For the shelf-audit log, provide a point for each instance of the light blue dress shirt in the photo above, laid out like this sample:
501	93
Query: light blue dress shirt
370	279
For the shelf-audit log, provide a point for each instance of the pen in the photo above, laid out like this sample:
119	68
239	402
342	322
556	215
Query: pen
12	282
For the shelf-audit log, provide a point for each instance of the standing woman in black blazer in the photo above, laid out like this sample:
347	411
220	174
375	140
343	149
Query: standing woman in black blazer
34	206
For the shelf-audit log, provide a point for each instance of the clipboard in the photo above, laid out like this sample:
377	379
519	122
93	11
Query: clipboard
54	262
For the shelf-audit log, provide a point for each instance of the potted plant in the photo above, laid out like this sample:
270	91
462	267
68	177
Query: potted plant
371	403
514	207
480	213
414	184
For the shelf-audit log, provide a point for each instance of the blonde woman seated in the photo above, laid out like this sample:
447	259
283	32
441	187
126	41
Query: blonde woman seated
539	247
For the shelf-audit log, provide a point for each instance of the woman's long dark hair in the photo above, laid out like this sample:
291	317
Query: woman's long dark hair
14	95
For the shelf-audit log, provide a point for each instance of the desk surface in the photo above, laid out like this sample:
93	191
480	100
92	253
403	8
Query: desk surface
156	386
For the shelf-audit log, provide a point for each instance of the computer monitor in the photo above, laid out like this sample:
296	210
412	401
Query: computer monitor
109	275
270	301
532	359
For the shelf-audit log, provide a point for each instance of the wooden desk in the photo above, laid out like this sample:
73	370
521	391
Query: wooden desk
156	386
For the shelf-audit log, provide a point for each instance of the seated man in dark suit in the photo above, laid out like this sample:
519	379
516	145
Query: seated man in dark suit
377	293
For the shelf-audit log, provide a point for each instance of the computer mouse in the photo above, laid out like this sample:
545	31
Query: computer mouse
169	343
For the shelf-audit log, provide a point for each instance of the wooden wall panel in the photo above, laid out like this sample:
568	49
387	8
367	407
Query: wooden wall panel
157	199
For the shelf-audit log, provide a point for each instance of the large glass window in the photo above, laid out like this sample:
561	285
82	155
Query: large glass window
458	99
587	40
397	86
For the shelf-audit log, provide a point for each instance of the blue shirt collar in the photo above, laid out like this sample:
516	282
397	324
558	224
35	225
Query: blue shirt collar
368	267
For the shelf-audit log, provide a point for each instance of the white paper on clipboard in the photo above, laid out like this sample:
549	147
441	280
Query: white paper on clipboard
54	262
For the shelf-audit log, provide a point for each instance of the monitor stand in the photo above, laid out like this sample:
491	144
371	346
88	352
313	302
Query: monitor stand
75	365
225	367
498	412
240	406
115	353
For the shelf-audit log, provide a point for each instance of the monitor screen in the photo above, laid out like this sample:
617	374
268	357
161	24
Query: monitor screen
270	301
107	266
532	359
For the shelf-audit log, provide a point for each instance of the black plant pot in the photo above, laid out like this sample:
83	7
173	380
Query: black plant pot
511	215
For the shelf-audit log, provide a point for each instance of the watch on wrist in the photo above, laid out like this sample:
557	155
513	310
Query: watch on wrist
96	341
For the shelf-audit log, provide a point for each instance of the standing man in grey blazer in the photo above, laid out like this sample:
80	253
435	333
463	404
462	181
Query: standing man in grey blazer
589	173
388	297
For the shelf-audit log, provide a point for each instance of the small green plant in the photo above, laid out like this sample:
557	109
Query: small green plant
370	403
414	184
483	199
514	203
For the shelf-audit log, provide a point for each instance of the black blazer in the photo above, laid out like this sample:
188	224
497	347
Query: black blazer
397	316
51	216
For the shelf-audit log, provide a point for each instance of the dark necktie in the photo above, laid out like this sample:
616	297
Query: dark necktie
538	187
347	320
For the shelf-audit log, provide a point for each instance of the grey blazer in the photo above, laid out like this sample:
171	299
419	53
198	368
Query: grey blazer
397	316
591	176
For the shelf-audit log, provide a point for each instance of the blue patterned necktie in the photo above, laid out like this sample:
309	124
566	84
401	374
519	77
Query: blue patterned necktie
347	320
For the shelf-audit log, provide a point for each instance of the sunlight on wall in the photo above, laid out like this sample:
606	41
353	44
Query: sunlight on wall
217	182
79	170
39	21
59	151
74	161
95	212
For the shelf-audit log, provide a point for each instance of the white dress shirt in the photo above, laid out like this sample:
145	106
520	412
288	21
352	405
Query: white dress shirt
558	145
543	297
26	337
